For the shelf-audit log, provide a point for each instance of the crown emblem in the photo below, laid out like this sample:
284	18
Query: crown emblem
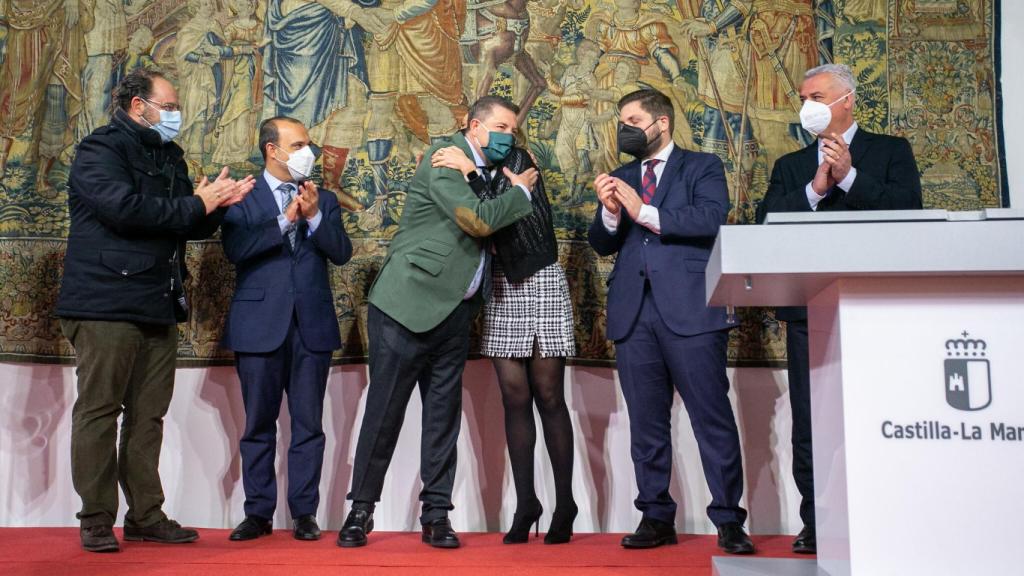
965	347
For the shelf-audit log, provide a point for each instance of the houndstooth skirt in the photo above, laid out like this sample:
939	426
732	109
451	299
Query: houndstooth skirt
519	313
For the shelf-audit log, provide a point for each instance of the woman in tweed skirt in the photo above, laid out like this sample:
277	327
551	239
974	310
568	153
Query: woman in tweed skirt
527	333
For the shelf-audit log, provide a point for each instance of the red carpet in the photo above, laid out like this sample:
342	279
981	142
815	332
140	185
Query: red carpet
46	551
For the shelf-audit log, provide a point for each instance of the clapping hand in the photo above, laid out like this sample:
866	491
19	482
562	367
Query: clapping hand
236	190
823	179
308	200
224	191
605	187
836	153
627	198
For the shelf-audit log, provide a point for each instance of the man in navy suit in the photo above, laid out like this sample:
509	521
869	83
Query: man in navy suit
661	214
282	324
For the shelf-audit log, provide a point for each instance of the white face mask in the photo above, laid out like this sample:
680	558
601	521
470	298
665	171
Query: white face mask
169	124
816	116
300	163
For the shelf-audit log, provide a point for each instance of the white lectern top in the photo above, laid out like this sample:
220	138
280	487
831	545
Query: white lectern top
798	254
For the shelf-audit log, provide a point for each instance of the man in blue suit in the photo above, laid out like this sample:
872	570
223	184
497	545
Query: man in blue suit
282	324
661	214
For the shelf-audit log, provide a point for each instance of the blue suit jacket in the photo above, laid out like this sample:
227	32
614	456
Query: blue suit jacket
692	202
273	282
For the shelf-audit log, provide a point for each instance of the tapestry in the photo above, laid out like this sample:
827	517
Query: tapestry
377	80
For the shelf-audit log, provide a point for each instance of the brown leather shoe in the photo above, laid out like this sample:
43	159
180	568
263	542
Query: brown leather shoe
166	531
99	539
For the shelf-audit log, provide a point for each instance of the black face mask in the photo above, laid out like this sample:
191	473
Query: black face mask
633	140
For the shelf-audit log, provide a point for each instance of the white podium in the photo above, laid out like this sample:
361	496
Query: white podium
916	323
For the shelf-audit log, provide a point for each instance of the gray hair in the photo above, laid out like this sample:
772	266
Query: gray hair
841	72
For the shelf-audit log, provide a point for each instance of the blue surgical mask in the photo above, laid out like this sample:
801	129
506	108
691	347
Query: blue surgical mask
499	145
169	124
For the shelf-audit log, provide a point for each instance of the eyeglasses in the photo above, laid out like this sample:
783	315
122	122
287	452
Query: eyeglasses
168	106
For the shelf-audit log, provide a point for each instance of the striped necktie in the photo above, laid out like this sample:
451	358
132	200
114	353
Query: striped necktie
650	182
288	194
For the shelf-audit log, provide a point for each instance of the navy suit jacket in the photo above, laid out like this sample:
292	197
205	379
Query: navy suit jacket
692	202
273	282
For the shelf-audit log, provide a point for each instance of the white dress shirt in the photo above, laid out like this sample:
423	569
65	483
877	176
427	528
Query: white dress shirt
649	216
282	220
846	184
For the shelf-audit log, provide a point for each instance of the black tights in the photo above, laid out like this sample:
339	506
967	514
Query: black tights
523	382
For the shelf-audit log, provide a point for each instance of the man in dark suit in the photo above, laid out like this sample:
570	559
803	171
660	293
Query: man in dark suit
847	168
661	214
282	324
421	307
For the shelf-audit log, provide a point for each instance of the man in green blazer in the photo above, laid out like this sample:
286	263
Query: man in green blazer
422	304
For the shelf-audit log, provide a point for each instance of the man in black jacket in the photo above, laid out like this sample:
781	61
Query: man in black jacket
847	168
132	208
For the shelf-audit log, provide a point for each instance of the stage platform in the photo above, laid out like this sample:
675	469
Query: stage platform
722	566
56	551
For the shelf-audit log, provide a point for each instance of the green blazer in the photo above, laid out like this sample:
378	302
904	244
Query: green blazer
436	250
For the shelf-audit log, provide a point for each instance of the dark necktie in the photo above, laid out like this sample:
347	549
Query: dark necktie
650	183
288	194
485	245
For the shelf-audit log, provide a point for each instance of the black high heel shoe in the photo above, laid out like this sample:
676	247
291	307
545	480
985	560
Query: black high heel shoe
519	533
560	530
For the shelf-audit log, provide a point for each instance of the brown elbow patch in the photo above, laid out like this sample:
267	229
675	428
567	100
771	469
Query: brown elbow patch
470	222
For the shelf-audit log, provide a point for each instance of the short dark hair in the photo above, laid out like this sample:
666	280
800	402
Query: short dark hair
482	108
269	134
654	103
138	83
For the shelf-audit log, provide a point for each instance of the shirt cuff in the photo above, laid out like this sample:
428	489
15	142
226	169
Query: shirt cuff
812	196
611	221
313	222
478	277
284	224
649	218
847	182
527	192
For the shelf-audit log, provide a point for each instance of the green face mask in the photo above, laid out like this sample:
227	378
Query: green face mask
499	145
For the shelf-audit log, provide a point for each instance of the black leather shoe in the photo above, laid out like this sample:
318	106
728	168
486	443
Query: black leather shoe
250	529
733	540
99	539
439	534
806	541
166	531
305	528
650	533
353	533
